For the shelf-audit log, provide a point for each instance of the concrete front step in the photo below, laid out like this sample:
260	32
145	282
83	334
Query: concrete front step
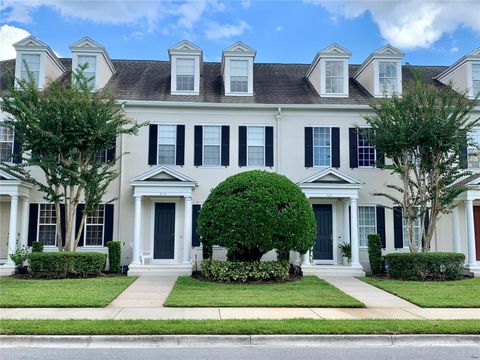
160	270
332	270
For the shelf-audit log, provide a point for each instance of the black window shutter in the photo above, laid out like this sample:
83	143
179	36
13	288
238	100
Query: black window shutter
352	135
108	223
398	227
17	150
225	152
111	152
63	225
381	225
242	146
426	224
153	144
195	213
380	159
463	160
180	145
32	224
335	147
308	147
198	145
78	219
269	146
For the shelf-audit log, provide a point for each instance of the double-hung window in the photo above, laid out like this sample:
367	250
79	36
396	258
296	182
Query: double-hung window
185	74
476	79
212	140
367	223
473	150
239	76
30	63
387	76
101	156
6	144
416	233
91	62
94	225
256	146
365	152
167	135
322	146
47	224
334	77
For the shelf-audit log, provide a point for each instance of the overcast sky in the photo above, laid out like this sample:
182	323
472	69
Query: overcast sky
429	32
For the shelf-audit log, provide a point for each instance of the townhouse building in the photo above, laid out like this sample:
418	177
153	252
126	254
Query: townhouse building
210	120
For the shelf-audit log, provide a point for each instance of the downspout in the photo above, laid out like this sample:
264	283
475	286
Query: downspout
120	182
278	117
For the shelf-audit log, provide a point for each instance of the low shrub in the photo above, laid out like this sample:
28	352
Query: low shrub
422	266
37	246
375	253
57	265
237	271
114	255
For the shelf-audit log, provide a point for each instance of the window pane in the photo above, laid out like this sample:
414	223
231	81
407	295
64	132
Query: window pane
167	135
47	225
387	75
211	145
101	156
256	145
366	223
416	233
185	66
473	150
91	69
185	82
33	64
321	146
6	144
334	77
366	152
94	228
238	75
476	78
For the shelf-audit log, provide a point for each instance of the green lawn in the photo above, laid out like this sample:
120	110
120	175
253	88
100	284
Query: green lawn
93	292
310	291
460	293
236	327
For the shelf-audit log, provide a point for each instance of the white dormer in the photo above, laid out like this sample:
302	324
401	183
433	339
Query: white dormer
464	74
185	63
237	70
328	72
100	67
381	73
40	60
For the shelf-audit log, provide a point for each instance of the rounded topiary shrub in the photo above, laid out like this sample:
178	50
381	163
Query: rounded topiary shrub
254	212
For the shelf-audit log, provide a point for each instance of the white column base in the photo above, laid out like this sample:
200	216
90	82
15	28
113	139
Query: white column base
7	269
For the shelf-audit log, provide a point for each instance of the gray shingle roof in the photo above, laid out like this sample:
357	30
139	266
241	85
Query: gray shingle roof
273	83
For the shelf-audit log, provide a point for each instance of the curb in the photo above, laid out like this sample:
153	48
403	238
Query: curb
203	341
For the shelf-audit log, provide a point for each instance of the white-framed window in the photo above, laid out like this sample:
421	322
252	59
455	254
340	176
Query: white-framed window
239	76
416	233
256	146
185	73
322	146
167	139
47	224
30	62
334	77
91	70
6	144
475	79
365	152
367	223
94	228
387	76
473	149
212	141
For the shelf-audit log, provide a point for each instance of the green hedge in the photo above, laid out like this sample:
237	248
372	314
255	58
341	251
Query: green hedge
375	253
37	246
422	266
114	255
237	271
57	265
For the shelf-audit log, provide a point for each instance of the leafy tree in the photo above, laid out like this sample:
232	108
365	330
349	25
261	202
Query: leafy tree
254	212
424	133
62	127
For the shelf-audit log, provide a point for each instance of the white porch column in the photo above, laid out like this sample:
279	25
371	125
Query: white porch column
346	222
472	261
354	232
456	230
306	258
137	227
24	221
187	230
12	229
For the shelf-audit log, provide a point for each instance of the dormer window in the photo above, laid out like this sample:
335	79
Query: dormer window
185	74
30	63
90	71
239	76
476	79
387	76
334	77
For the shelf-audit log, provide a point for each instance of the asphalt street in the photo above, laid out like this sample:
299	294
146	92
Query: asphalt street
249	353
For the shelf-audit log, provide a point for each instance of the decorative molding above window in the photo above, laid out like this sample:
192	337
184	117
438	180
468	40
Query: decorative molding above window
185	62
237	70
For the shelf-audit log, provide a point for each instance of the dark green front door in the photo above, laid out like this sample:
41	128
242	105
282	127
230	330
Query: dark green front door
164	231
323	249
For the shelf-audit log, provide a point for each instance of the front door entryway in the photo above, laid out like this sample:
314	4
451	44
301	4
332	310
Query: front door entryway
476	224
323	249
164	231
